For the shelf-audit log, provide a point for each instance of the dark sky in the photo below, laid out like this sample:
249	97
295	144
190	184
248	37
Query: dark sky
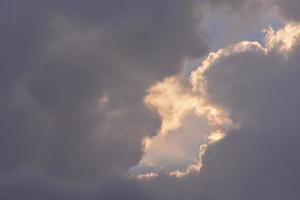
73	80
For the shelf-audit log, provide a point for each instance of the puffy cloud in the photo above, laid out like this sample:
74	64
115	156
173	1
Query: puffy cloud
283	40
281	46
258	160
173	103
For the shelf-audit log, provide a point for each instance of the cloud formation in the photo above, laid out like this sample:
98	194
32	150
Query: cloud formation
77	80
60	61
258	160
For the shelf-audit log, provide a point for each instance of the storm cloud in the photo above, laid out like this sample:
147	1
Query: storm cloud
73	76
79	81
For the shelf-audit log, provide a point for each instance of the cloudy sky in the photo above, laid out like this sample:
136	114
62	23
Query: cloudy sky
150	100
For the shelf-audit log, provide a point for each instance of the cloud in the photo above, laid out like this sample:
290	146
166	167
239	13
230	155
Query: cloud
29	182
258	160
60	61
289	8
173	103
73	81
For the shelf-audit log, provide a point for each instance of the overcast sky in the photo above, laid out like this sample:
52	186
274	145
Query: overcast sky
149	100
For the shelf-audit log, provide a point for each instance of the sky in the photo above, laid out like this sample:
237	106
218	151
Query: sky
149	100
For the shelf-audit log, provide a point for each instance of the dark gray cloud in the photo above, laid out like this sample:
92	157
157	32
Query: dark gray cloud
73	76
259	161
29	182
60	58
289	8
72	79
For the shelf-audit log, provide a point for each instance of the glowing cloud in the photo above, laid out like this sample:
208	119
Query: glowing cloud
173	102
174	98
283	40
